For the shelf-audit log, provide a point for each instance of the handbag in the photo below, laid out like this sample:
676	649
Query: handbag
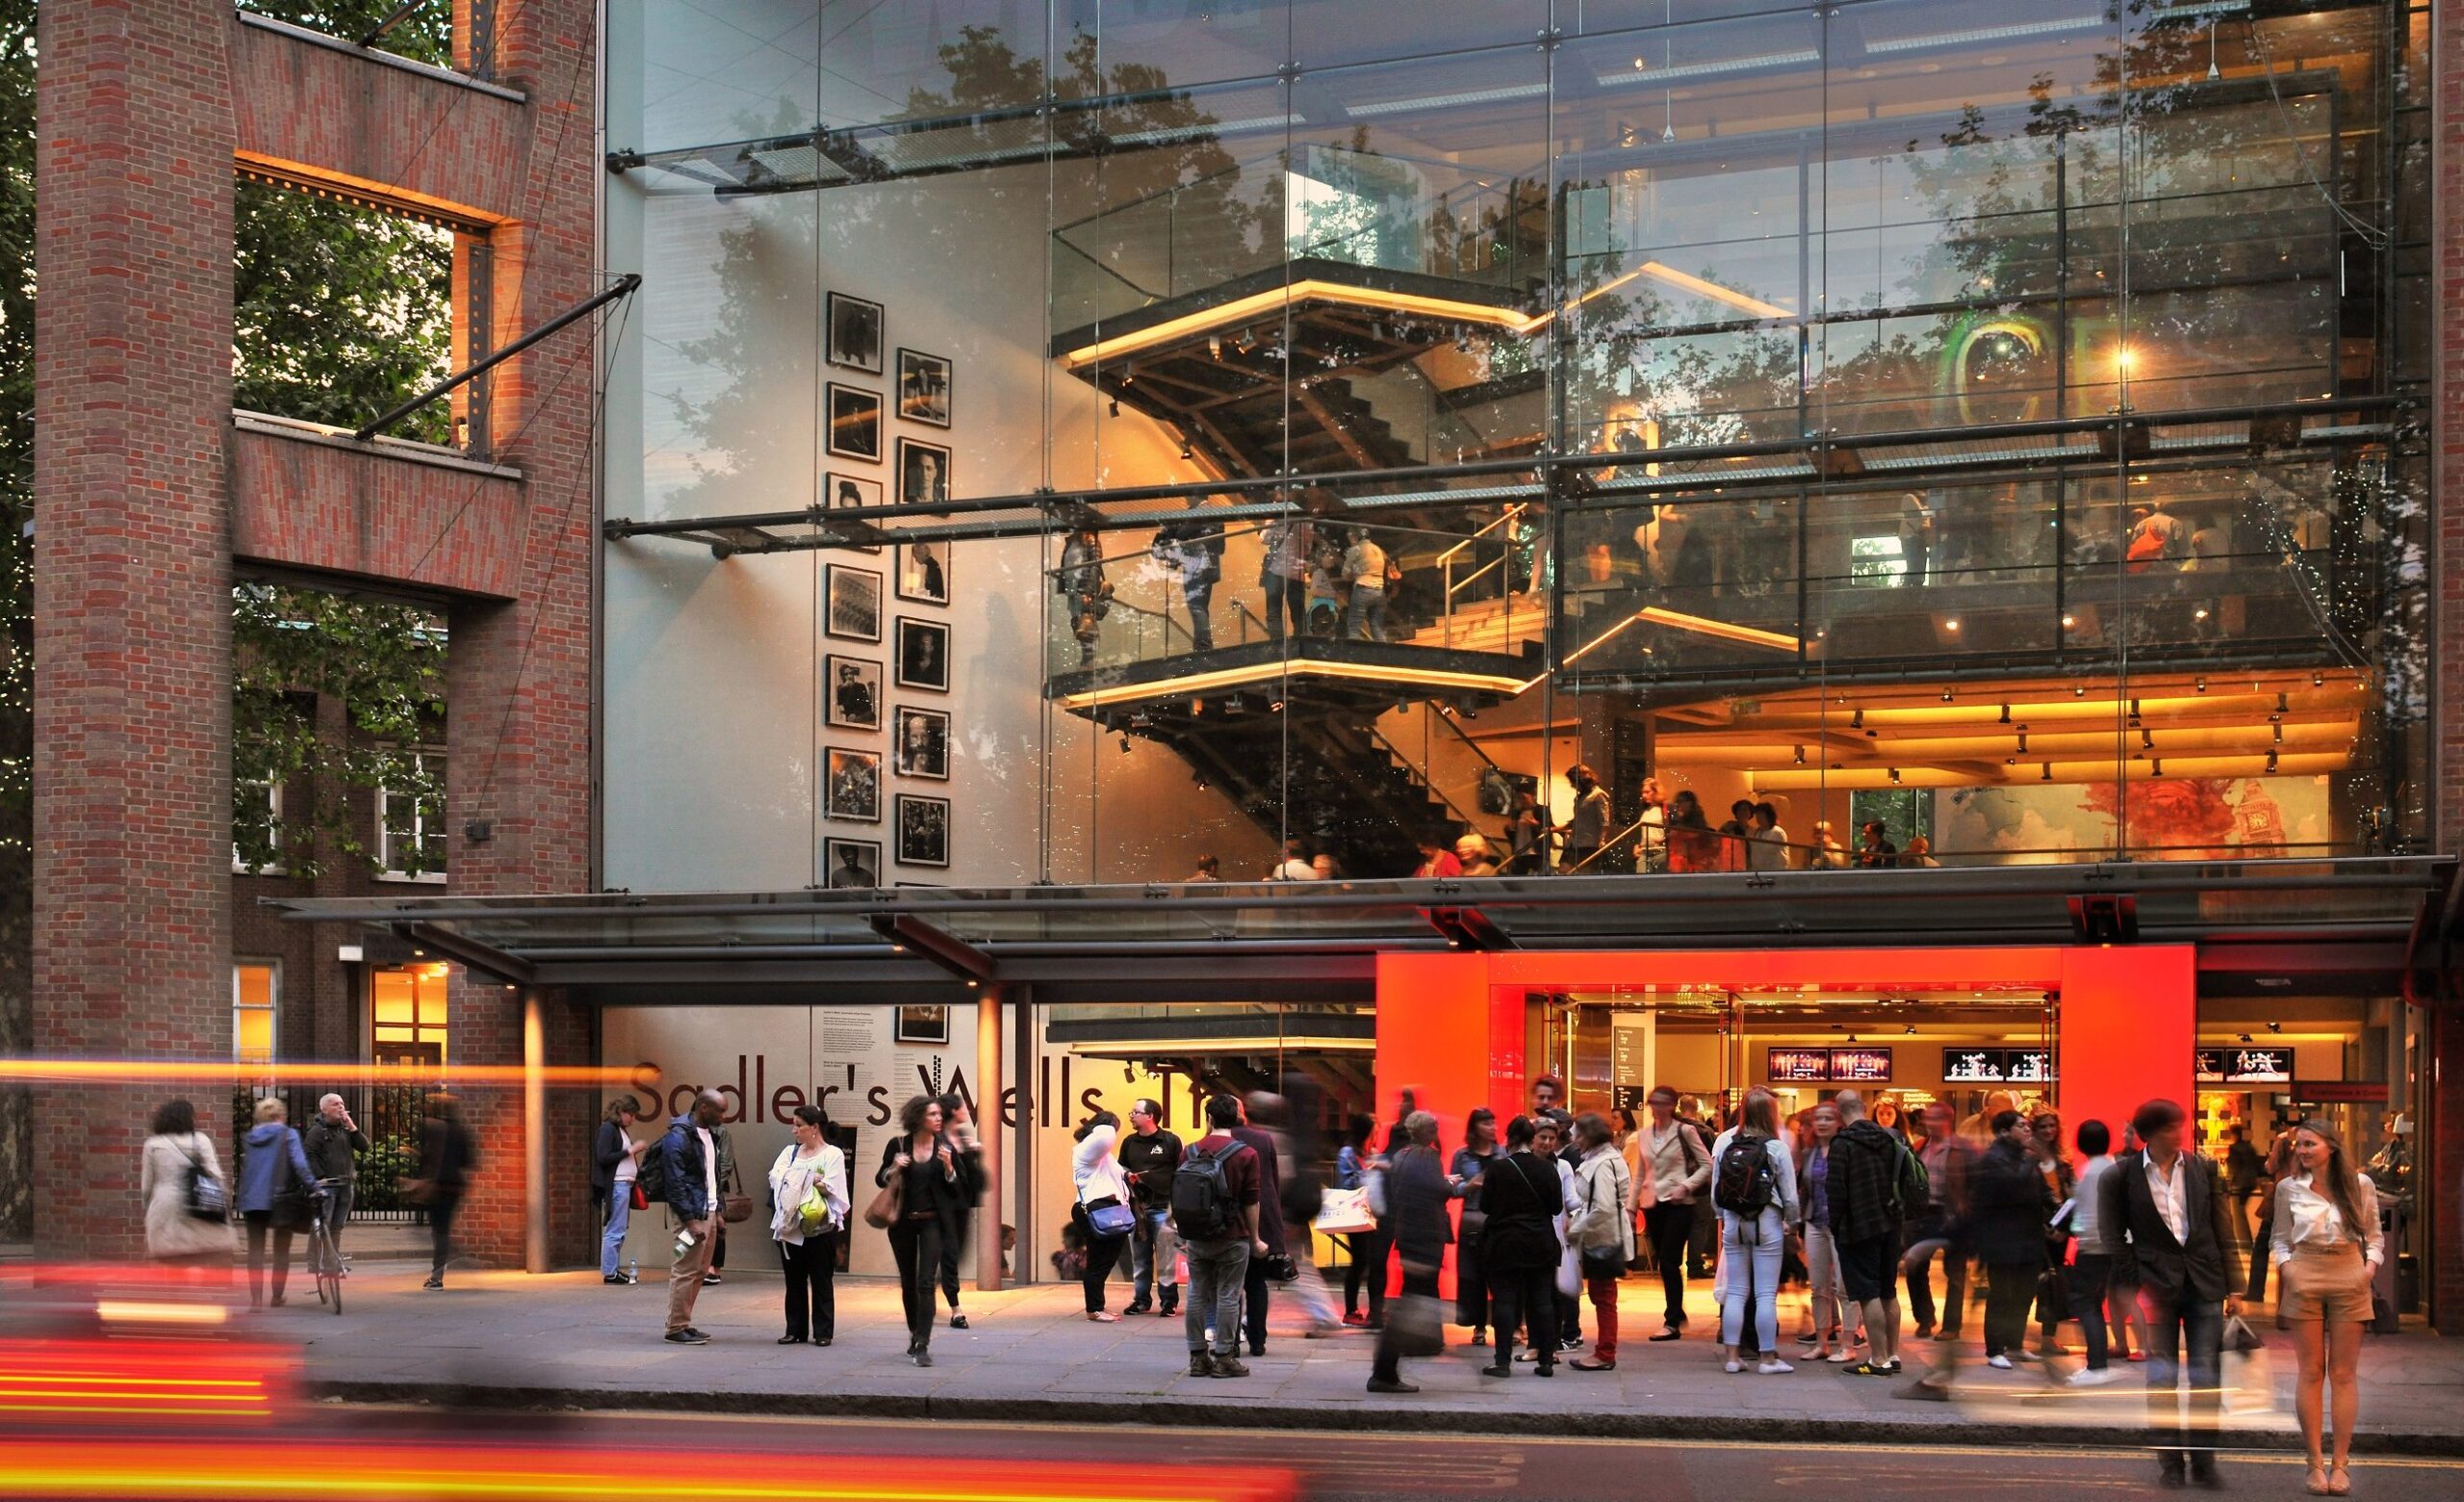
2240	1339
812	1215
1111	1220
1344	1213
640	1200
1413	1323
208	1198
887	1202
735	1207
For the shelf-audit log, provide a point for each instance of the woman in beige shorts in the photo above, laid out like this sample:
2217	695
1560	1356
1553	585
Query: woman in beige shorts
2326	1245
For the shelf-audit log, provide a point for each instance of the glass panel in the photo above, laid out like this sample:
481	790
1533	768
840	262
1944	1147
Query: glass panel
255	985
1145	46
704	70
391	996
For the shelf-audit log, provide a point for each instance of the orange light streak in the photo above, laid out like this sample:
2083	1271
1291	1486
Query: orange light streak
126	1071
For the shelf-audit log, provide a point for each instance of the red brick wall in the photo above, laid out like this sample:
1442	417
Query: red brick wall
131	610
340	511
143	489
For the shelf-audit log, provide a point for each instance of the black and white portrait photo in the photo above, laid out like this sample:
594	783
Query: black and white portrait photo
923	388
844	492
921	1024
922	745
855	422
923	473
853	609
924	572
923	655
850	690
855	786
854	333
852	863
923	829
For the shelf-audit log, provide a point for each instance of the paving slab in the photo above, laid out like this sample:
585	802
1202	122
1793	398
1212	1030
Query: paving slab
567	1340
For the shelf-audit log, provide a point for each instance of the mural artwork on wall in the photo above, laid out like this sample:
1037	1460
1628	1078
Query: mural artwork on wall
2173	818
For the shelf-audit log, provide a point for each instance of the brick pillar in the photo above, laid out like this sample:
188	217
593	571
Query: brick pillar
519	674
131	585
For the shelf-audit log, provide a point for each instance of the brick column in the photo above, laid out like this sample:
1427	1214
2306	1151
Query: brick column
131	585
519	674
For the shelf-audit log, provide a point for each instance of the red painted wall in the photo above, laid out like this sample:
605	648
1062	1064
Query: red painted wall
2129	1024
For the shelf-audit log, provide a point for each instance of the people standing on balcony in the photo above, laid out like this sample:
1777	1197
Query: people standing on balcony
2159	540
1527	836
1368	571
1918	854
1295	865
1079	581
1693	844
1829	854
1329	585
1587	827
1194	548
1733	834
1473	853
1436	860
1323	867
1766	846
1205	867
1283	573
1651	846
1874	849
1915	538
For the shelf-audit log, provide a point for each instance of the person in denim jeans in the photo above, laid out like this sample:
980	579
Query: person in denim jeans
1220	1264
1149	1154
615	1161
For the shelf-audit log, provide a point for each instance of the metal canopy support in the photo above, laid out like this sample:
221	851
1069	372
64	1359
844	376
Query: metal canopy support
1468	928
623	288
988	1135
469	953
935	945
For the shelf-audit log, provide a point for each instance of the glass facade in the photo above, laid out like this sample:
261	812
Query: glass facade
1995	423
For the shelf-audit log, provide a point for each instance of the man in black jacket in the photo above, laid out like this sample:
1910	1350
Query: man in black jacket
2011	1207
333	1142
1417	1198
2170	1204
1149	1154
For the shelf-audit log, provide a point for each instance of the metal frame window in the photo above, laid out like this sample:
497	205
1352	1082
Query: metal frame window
410	824
266	814
256	1010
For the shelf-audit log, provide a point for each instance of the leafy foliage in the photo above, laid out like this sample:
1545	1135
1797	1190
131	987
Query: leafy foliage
424	35
383	663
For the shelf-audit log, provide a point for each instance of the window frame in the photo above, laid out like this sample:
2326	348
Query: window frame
389	869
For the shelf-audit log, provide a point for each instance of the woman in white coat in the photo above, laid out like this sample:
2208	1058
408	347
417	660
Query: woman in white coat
808	1215
174	1232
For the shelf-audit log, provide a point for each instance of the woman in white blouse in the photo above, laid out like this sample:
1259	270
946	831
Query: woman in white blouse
1095	1165
808	1215
2326	1245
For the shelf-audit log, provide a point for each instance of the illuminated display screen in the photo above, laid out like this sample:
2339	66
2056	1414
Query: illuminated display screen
1860	1066
1798	1066
1996	1067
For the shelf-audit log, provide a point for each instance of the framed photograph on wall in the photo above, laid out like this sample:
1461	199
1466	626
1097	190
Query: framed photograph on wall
852	609
853	786
855	422
851	693
855	333
921	1024
923	655
850	864
923	829
923	473
921	747
924	572
846	492
924	388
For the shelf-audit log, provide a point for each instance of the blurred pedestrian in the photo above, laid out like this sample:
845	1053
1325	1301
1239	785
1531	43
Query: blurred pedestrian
725	1146
275	1175
959	1123
2095	1244
1939	1228
446	1156
187	1200
808	1214
1366	1267
1416	1202
2060	1184
2011	1207
1463	1176
2172	1203
615	1164
334	1143
1271	1226
689	1174
1835	1314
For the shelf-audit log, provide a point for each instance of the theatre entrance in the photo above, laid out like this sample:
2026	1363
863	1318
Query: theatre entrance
2088	1030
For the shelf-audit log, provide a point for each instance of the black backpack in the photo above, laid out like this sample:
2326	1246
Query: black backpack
650	1176
1744	1185
1203	1209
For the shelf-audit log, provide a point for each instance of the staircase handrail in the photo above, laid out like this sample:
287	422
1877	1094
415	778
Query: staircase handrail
1470	822
1446	565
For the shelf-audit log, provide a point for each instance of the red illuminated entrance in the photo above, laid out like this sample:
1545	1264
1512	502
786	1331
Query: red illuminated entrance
1458	1028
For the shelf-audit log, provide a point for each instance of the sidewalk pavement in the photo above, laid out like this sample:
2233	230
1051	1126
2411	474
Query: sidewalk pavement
502	1340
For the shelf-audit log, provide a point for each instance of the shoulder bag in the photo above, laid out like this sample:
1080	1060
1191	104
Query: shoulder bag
208	1198
890	1202
735	1207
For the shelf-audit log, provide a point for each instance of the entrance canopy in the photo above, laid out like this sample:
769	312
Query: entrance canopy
2337	925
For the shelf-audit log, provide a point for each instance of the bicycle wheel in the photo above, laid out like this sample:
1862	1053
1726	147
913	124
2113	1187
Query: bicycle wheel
329	1275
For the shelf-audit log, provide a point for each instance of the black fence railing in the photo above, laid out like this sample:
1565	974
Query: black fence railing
388	1113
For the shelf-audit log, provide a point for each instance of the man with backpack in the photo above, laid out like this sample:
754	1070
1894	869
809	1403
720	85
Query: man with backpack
1874	1187
1214	1212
